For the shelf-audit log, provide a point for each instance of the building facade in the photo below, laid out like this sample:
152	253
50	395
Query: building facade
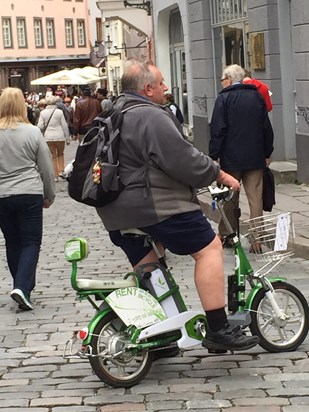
196	39
126	34
39	37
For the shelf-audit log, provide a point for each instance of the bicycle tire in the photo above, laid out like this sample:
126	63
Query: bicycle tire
280	335
113	371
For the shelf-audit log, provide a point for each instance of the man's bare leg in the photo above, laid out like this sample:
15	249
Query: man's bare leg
209	280
209	275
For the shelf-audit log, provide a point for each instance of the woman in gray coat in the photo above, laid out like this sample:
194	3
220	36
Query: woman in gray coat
26	187
55	130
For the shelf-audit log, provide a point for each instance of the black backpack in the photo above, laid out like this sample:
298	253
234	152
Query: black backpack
94	180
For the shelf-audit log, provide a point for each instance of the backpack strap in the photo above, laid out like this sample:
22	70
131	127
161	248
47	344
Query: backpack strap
112	134
143	169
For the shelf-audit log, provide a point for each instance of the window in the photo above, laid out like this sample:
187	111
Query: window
81	36
228	10
98	23
21	32
178	63
69	40
7	32
38	33
50	32
229	19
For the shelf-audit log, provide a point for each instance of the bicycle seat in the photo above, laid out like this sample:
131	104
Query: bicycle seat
94	284
133	232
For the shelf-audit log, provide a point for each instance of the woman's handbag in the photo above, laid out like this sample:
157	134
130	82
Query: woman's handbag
268	190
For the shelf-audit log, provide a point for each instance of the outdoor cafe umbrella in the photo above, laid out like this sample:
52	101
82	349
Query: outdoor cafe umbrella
66	77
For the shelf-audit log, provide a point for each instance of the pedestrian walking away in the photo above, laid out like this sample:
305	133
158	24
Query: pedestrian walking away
56	132
85	111
26	186
162	202
241	140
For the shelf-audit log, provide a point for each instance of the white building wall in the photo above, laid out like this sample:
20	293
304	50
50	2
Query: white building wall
161	14
94	12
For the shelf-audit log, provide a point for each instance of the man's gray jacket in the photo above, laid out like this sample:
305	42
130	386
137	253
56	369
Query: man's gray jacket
174	168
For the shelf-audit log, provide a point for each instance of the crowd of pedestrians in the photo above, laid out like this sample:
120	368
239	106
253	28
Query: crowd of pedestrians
63	114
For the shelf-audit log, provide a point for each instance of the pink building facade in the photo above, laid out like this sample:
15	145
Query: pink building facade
39	37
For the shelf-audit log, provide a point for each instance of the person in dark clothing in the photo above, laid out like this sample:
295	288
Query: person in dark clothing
30	114
170	102
106	103
241	139
85	111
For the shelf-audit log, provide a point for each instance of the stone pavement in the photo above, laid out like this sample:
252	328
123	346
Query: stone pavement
34	376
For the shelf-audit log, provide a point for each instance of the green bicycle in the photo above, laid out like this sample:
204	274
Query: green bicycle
145	312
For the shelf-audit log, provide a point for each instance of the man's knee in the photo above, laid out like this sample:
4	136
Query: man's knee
214	247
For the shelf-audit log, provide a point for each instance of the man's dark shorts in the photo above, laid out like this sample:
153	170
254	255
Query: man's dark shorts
182	234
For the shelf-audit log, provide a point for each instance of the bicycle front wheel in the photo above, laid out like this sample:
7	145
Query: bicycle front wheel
280	335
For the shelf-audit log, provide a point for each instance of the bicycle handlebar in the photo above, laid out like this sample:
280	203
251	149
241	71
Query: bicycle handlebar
217	193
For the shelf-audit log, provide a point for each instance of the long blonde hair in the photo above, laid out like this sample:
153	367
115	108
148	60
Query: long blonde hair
13	108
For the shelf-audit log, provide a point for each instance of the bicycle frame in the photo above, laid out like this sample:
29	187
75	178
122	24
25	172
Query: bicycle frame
239	304
88	289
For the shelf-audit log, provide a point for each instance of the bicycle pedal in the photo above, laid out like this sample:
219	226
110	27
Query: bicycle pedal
217	351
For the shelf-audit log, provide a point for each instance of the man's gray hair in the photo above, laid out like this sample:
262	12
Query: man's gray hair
136	76
234	72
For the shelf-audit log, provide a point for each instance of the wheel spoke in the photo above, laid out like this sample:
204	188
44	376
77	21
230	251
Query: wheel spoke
295	320
121	371
267	326
282	334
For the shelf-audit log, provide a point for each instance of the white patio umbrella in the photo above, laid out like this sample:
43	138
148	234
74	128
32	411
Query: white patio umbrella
88	71
66	77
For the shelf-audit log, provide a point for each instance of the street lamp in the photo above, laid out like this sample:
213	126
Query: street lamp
107	45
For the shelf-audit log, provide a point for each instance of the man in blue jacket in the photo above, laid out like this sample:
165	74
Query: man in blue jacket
241	140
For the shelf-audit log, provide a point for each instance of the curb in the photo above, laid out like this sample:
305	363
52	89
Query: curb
301	244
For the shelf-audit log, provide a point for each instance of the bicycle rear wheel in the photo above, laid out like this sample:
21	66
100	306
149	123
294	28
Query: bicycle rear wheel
125	369
277	335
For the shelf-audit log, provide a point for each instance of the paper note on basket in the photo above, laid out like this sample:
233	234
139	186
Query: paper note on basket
282	232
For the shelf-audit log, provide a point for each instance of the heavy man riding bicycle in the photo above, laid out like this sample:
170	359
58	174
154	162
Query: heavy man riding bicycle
162	201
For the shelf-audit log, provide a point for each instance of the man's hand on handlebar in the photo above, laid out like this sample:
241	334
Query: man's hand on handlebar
228	180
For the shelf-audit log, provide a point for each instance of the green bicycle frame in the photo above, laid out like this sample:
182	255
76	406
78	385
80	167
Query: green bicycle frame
244	272
173	291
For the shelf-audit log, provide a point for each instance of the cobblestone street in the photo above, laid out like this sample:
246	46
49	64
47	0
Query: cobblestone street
35	377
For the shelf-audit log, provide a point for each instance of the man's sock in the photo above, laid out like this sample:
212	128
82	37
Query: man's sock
216	319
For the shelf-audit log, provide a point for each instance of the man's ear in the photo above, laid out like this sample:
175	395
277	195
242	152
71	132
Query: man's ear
148	90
